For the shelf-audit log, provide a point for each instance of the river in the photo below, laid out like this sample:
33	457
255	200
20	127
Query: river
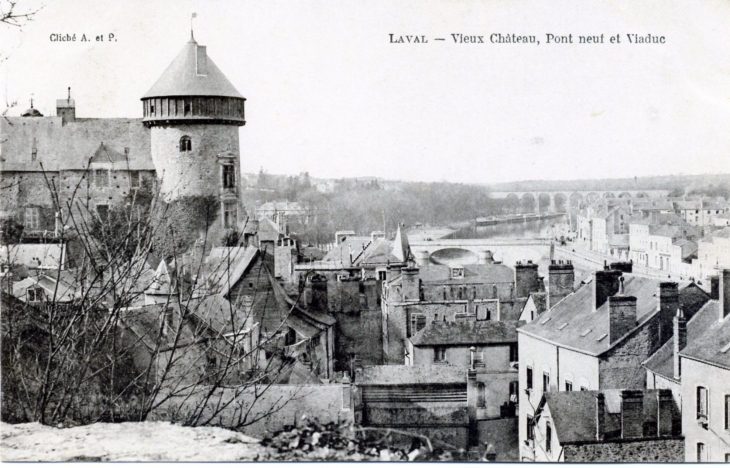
541	228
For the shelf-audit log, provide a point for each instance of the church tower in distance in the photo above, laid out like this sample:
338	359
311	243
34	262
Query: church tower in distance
193	113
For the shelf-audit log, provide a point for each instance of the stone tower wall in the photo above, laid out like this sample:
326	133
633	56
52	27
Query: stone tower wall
195	172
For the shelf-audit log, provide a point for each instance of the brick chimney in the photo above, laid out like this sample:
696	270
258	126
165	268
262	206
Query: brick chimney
668	302
526	279
600	416
680	341
724	296
632	414
66	108
621	316
664	417
714	287
606	284
561	277
410	284
319	293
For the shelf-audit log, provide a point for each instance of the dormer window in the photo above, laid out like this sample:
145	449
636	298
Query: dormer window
186	144
34	295
457	272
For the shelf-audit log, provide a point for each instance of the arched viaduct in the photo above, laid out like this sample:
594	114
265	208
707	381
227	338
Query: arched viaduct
564	201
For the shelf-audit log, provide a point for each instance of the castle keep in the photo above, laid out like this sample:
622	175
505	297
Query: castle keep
187	141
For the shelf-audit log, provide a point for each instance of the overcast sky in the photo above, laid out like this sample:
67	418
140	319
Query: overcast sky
327	92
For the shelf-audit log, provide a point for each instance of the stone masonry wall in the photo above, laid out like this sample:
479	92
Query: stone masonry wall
652	451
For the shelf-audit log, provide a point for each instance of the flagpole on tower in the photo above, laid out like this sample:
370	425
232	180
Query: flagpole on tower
192	17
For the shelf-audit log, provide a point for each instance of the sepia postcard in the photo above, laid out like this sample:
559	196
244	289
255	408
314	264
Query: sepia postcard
365	231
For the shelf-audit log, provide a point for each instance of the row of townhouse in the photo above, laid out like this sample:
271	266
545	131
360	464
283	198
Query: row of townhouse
627	369
663	235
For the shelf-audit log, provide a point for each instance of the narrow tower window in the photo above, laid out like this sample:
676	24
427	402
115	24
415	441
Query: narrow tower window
230	214
186	144
229	176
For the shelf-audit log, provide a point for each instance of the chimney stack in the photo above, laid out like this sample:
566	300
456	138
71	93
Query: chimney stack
680	341
622	316
665	417
410	284
561	277
724	296
66	108
715	287
668	303
606	284
526	279
600	416
632	414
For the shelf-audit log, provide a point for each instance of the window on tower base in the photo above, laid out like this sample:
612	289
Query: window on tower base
230	215
229	176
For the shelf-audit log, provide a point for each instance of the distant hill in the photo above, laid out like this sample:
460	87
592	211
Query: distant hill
671	182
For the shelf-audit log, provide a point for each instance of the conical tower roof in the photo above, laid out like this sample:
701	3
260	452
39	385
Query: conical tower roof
192	73
401	247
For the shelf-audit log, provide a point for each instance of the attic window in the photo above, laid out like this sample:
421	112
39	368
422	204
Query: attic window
186	144
34	294
563	326
602	337
586	332
545	320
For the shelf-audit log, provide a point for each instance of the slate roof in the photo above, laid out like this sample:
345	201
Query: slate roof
64	292
574	414
662	362
713	345
182	79
375	252
467	333
665	230
71	146
491	273
401	247
655	218
687	247
409	375
572	322
219	314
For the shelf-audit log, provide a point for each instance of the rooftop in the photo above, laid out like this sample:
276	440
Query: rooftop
192	73
73	145
713	344
573	323
467	333
662	362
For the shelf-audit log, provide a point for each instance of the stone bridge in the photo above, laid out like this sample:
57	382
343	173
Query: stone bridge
567	200
481	251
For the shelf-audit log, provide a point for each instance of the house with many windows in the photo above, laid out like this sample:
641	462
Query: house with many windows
595	339
705	372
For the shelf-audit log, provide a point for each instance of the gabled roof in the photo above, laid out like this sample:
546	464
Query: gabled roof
267	230
105	154
52	288
181	78
467	333
662	362
573	323
713	344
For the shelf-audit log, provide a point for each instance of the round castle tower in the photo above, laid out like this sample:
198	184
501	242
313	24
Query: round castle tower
194	113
